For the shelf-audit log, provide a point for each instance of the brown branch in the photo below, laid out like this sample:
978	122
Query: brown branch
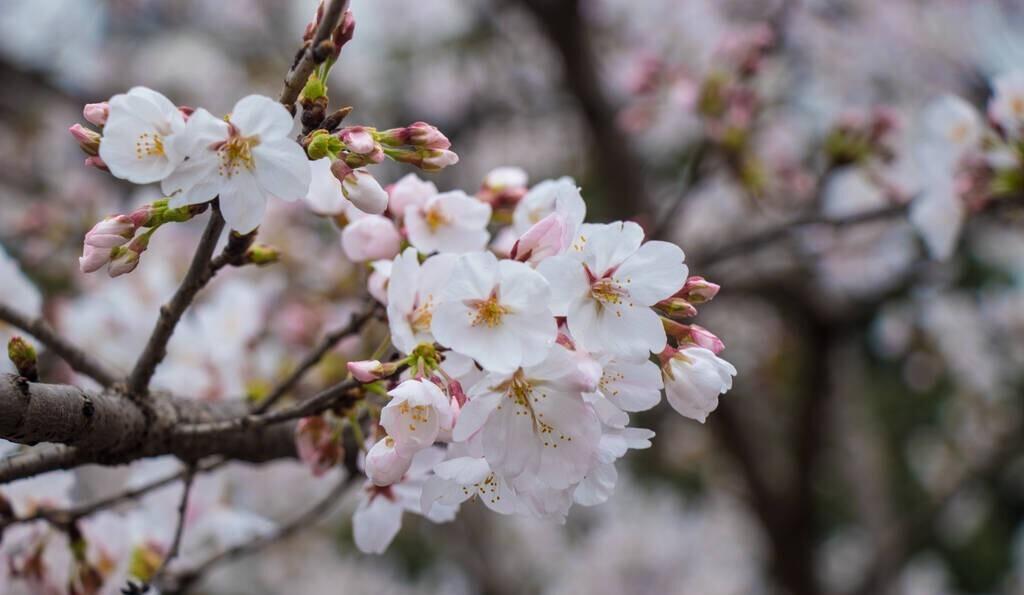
179	530
102	427
75	357
182	582
198	275
308	58
355	324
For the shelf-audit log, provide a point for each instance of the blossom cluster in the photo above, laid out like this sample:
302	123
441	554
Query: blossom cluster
524	352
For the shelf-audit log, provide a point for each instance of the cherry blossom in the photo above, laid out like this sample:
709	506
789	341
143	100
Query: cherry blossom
244	159
606	290
417	412
414	290
694	378
140	136
448	222
540	411
495	312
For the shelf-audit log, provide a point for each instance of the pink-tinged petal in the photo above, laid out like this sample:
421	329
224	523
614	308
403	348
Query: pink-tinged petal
567	281
609	246
282	169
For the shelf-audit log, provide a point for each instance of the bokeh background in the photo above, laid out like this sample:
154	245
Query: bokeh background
872	442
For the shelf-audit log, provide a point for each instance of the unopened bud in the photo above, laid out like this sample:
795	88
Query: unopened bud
365	192
698	290
110	232
335	119
543	239
358	139
702	337
322	144
676	307
371	370
96	113
343	33
261	255
421	134
93	259
122	261
23	356
88	140
385	465
97	162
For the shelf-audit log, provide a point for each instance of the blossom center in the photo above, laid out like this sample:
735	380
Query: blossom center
435	217
489	312
415	414
236	153
422	316
608	291
149	144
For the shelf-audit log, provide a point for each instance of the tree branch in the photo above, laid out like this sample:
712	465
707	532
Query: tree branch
355	324
102	427
307	59
75	357
198	275
179	530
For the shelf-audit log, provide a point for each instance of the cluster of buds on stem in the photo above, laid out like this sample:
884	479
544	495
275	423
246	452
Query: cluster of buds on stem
89	140
113	243
683	305
314	94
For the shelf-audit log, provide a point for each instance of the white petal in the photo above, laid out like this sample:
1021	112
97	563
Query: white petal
653	273
281	168
567	280
242	203
610	245
262	116
474	415
375	524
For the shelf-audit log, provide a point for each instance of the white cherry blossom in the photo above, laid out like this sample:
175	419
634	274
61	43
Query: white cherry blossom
417	412
550	196
532	424
694	378
244	159
600	481
140	134
409	191
606	289
414	290
462	478
495	312
1006	107
448	222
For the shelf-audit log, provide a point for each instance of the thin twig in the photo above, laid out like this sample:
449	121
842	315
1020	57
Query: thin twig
306	61
68	516
75	357
179	530
183	581
170	313
770	236
691	177
355	324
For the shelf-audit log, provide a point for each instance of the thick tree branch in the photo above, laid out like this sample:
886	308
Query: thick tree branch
198	275
308	58
75	357
102	427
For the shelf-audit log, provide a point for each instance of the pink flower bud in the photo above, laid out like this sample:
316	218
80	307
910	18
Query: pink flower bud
587	373
123	261
436	160
365	192
366	370
97	162
110	232
93	259
88	140
318	444
96	113
676	307
421	134
340	169
371	238
542	240
698	290
358	140
702	337
384	464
